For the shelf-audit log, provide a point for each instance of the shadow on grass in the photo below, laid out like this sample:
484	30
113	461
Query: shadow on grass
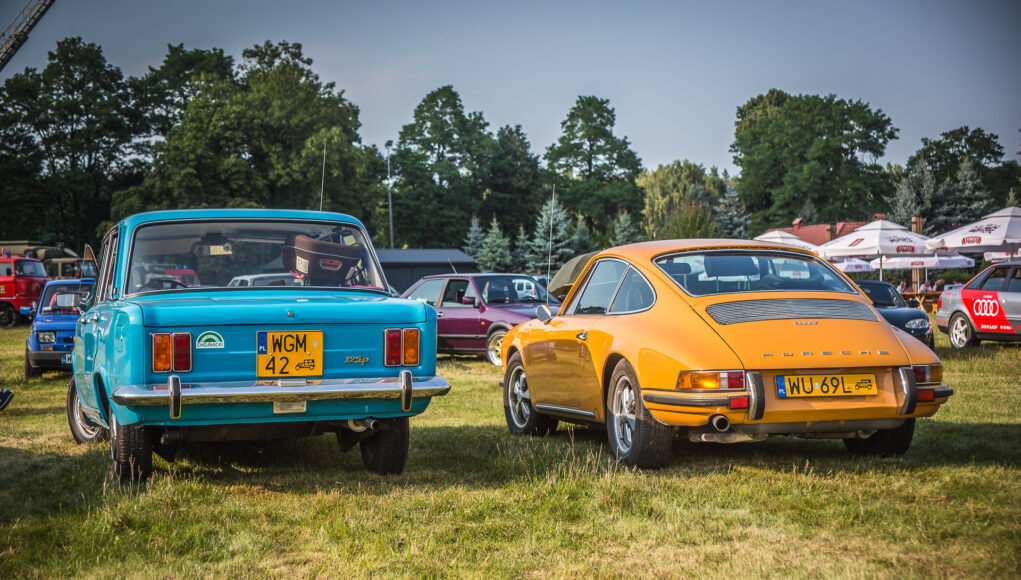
39	483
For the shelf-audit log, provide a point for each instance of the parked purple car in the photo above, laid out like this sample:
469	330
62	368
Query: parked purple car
474	311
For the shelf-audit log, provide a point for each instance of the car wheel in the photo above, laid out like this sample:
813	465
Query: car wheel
386	451
522	418
636	438
493	346
885	442
8	317
82	428
130	452
31	371
961	333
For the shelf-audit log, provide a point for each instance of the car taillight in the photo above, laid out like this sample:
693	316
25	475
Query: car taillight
703	380
411	340
393	347
939	303
171	352
926	374
182	352
162	353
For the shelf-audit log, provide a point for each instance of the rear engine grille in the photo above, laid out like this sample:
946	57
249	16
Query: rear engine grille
781	309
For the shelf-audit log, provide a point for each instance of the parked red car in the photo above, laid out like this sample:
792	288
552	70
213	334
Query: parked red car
474	311
21	281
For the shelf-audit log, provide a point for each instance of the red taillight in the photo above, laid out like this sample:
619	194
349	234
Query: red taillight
734	380
739	402
926	395
182	352
393	347
928	373
939	303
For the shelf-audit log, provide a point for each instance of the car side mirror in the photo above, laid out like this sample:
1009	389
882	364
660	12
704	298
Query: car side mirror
543	314
469	301
27	310
914	303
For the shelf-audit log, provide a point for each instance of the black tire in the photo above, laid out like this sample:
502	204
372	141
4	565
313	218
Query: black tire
8	317
31	372
130	452
961	332
386	451
885	442
636	438
522	418
82	428
931	341
493	345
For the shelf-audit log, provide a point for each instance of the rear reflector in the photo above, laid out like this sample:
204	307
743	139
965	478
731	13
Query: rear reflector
393	347
411	357
739	402
162	353
926	395
182	351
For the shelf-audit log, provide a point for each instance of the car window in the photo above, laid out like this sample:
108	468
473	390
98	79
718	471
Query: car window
883	295
997	280
63	298
634	294
427	292
709	273
6	269
29	268
457	290
1015	281
108	259
599	288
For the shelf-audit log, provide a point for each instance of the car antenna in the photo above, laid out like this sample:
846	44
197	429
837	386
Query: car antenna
322	185
549	255
449	261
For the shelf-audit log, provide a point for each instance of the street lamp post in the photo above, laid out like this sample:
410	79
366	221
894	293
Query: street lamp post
389	194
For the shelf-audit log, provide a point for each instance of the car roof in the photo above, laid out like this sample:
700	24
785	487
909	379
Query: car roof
247	213
651	250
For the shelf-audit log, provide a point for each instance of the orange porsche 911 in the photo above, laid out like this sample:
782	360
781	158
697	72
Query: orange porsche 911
721	341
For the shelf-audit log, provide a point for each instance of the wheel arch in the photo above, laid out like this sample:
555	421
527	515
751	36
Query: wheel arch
611	362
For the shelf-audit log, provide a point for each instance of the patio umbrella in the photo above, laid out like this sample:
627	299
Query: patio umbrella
565	277
938	261
853	265
1002	256
997	232
880	238
782	237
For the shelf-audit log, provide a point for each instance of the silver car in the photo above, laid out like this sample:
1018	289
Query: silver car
988	307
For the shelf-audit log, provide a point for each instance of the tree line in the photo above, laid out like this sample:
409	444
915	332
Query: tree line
82	145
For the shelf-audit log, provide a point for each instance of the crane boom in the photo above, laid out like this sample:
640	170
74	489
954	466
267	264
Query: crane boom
17	33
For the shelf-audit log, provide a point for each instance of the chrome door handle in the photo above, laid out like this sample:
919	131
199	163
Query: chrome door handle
93	318
583	335
439	315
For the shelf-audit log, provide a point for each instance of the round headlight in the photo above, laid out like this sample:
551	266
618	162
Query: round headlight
917	324
47	336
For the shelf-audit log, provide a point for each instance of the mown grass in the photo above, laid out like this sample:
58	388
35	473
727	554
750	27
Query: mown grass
475	501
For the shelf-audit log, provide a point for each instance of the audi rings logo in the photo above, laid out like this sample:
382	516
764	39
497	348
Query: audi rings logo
986	307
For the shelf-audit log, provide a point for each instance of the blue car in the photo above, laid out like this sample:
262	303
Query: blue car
49	344
161	360
907	317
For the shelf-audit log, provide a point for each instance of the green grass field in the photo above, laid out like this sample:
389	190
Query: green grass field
475	501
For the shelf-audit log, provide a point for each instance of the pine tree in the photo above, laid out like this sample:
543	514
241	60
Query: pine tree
473	241
495	255
731	217
945	209
557	247
975	198
624	231
523	251
581	239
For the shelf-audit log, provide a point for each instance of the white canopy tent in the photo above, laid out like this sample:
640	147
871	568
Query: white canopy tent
782	237
880	238
997	232
853	265
928	262
1002	256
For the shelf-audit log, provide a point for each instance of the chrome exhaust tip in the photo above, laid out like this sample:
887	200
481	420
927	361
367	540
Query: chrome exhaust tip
720	422
362	425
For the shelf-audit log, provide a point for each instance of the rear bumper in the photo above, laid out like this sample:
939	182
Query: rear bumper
174	394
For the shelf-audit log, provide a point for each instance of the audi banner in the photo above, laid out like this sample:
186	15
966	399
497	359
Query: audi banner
986	310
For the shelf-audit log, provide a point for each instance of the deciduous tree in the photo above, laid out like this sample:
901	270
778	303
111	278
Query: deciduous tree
670	187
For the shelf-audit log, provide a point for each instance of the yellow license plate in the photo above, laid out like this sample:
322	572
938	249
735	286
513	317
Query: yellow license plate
289	354
795	386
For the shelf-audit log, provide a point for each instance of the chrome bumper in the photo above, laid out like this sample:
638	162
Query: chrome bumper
173	394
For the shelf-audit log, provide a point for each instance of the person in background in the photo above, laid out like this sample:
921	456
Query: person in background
5	398
926	287
903	287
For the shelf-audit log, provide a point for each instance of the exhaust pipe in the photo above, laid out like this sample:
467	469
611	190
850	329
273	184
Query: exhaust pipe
720	422
361	425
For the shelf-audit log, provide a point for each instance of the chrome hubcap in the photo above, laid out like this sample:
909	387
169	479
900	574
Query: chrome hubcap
495	344
959	332
519	399
85	425
624	415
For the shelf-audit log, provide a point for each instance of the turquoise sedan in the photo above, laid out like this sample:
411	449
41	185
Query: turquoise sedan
163	359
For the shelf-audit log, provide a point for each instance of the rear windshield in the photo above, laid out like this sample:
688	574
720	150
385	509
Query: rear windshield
883	294
708	273
63	298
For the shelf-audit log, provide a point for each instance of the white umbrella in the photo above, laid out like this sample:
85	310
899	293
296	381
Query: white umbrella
879	238
853	265
782	237
997	232
939	261
1002	256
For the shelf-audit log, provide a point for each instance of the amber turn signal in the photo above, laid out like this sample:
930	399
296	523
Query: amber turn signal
710	380
162	353
411	347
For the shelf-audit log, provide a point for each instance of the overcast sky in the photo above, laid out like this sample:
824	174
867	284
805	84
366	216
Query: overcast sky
674	71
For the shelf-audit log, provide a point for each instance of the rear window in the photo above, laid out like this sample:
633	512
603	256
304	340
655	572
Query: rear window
708	273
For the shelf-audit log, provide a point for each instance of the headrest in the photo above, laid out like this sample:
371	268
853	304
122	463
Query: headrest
676	268
717	266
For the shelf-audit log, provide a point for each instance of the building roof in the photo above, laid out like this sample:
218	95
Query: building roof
819	234
424	256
